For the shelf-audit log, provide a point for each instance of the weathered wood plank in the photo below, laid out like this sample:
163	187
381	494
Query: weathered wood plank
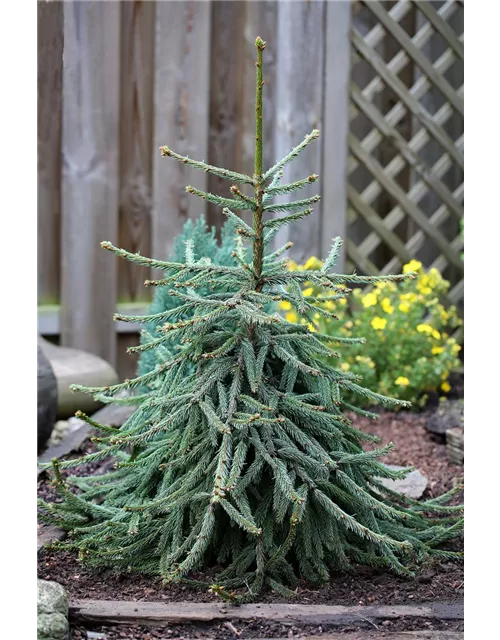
387	635
411	209
406	98
441	26
136	137
180	115
404	148
299	109
377	224
157	613
50	36
90	175
260	20
416	55
415	194
336	127
399	61
228	102
415	243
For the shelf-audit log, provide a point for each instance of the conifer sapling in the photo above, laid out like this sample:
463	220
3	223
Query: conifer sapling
240	455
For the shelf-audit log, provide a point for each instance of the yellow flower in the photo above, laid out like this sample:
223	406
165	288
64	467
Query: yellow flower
404	307
409	297
444	375
345	366
443	314
446	386
291	316
424	328
329	305
366	360
285	305
435	334
425	291
434	277
313	263
307	292
387	306
378	323
437	350
292	266
342	302
317	316
369	300
311	327
402	381
348	324
456	349
413	265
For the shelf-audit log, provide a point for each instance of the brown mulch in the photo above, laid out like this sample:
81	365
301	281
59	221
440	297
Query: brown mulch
440	581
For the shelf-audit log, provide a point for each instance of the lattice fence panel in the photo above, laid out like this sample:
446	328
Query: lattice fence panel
405	166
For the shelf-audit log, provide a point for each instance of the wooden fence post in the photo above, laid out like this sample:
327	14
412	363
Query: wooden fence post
181	93
90	175
335	127
50	52
299	109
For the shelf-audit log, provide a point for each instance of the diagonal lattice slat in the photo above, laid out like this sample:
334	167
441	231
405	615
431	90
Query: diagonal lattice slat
405	165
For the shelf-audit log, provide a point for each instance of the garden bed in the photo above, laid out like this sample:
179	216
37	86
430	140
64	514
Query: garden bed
441	581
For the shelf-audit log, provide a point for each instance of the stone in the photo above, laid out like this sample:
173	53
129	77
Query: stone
59	432
72	366
47	399
449	415
51	597
52	609
53	626
412	486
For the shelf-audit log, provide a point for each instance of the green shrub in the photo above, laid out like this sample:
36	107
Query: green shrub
204	245
409	352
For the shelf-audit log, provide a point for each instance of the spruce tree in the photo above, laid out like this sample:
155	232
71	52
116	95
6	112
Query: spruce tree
241	456
204	244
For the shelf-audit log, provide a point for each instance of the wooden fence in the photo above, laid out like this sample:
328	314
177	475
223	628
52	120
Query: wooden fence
381	80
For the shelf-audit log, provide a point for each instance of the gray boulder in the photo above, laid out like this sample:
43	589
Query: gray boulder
72	366
47	399
412	486
449	415
52	609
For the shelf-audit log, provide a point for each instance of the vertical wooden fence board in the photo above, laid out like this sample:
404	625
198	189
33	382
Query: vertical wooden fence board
299	101
180	115
336	127
260	20
90	175
227	82
136	139
50	51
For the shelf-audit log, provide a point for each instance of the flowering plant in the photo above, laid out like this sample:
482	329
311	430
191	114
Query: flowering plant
409	351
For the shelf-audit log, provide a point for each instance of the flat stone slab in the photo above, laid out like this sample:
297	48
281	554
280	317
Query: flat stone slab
111	415
47	534
159	613
449	415
412	486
